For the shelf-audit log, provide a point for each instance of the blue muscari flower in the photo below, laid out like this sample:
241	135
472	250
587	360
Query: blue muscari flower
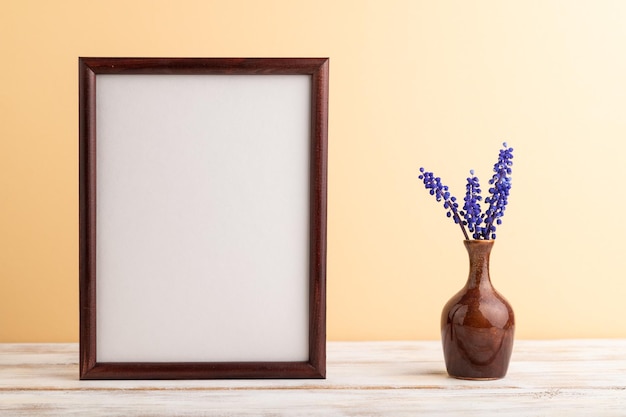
500	190
471	209
440	191
481	225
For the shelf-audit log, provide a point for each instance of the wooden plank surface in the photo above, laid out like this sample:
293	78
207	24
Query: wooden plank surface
546	378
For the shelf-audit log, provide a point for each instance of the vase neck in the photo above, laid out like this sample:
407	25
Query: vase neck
478	251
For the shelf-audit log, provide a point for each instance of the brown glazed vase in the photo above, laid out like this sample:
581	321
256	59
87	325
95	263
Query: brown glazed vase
477	324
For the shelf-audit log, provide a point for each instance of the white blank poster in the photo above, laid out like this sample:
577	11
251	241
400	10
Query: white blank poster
202	217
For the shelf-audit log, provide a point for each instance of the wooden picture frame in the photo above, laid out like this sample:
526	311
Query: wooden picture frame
202	217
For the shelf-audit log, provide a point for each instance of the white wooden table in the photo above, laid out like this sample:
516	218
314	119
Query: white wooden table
546	378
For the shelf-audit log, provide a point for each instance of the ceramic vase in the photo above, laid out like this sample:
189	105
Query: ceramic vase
477	324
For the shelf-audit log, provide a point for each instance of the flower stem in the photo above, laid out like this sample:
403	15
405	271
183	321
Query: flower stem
458	219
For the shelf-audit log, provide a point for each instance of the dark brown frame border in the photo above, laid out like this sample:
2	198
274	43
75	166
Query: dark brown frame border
315	367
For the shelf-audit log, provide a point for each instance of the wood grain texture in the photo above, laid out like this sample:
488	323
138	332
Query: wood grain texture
546	378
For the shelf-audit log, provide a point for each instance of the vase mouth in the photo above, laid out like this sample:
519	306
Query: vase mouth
479	241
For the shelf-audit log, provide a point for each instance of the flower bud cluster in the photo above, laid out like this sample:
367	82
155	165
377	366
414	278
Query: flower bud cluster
471	209
500	190
440	191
